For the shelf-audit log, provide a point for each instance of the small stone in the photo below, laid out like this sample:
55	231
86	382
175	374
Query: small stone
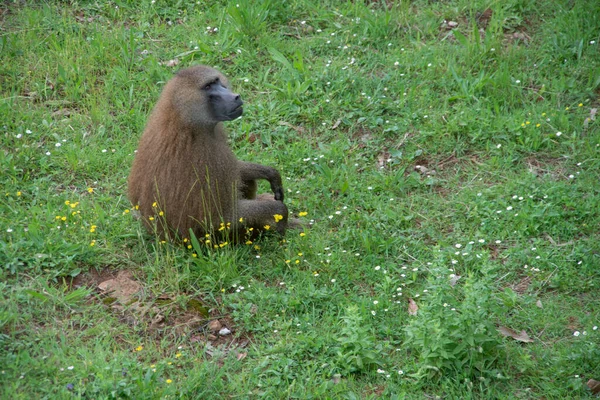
224	332
452	24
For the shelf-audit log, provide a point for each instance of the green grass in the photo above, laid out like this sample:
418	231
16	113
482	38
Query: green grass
349	100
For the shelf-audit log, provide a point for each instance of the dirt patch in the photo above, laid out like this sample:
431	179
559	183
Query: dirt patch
166	315
553	167
431	165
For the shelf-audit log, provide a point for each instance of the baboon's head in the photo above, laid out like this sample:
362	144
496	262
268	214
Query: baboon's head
202	97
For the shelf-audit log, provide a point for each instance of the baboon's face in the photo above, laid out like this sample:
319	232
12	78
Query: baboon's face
225	104
203	97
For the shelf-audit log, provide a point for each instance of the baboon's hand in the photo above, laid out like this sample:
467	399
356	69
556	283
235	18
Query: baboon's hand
276	185
277	190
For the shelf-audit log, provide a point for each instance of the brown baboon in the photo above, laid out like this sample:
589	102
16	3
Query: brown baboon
185	175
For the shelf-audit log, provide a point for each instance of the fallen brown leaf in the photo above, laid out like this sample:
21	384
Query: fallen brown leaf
298	129
241	356
594	386
412	307
523	285
519	337
214	326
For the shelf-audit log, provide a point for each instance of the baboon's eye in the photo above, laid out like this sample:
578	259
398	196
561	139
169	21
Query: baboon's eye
207	87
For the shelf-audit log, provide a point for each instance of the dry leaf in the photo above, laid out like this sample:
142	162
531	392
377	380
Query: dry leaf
214	326
241	356
412	307
172	63
594	386
337	123
539	304
519	337
298	129
382	159
454	279
422	169
522	286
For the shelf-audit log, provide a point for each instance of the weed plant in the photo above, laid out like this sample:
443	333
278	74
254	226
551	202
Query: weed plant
443	156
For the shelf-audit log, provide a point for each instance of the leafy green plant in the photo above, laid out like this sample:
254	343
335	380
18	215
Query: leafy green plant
453	331
359	351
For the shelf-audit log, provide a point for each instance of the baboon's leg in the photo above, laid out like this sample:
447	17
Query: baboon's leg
248	189
257	214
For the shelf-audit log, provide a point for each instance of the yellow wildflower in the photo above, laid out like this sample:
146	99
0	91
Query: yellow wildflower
19	193
139	348
161	213
277	217
302	234
169	381
267	227
90	190
302	213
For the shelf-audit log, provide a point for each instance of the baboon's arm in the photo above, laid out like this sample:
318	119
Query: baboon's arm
251	171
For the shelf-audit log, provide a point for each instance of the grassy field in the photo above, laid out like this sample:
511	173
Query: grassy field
445	154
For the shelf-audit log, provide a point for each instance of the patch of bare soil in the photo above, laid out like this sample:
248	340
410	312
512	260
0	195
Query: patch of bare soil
430	166
553	167
157	317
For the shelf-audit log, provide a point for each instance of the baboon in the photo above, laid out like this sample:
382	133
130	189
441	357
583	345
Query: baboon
185	175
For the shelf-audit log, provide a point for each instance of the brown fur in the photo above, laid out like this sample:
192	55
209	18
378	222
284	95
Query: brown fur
186	169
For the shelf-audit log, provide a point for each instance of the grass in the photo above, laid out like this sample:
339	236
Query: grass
447	155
